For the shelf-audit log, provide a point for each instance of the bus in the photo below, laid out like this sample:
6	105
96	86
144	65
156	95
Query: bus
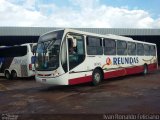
69	57
17	61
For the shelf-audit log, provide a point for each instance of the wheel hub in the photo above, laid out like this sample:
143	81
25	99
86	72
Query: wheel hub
97	77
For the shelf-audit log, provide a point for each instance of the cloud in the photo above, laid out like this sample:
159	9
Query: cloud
27	4
15	15
80	13
85	4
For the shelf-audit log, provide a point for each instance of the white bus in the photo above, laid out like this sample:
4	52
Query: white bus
68	57
17	61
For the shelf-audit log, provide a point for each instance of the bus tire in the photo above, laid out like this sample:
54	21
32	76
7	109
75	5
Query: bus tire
13	74
145	69
97	77
7	75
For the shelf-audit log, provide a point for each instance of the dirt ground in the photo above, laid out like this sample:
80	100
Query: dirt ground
134	94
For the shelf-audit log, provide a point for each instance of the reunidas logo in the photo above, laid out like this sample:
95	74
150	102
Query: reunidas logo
122	60
108	61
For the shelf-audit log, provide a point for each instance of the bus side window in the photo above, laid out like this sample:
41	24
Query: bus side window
109	47
94	46
131	48
71	47
14	51
121	47
146	50
140	49
153	50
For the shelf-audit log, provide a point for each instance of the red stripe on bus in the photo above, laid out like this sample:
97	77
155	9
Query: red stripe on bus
152	67
116	73
134	70
113	74
80	80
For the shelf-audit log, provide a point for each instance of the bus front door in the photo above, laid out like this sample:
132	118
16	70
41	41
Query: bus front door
76	54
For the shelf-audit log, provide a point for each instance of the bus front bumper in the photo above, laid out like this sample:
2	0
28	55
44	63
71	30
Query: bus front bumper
61	80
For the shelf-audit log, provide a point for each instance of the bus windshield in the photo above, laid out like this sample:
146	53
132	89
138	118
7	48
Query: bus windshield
47	53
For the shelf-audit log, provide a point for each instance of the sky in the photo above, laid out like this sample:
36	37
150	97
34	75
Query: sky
80	13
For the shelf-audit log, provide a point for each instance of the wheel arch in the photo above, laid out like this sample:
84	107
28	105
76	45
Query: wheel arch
14	71
145	64
13	74
7	70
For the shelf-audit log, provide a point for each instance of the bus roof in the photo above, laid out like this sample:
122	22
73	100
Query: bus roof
109	36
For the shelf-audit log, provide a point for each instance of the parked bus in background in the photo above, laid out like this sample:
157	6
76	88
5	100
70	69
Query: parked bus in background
68	57
17	61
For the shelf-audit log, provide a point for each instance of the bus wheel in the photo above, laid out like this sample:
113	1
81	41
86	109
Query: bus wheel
13	74
145	70
96	77
7	75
